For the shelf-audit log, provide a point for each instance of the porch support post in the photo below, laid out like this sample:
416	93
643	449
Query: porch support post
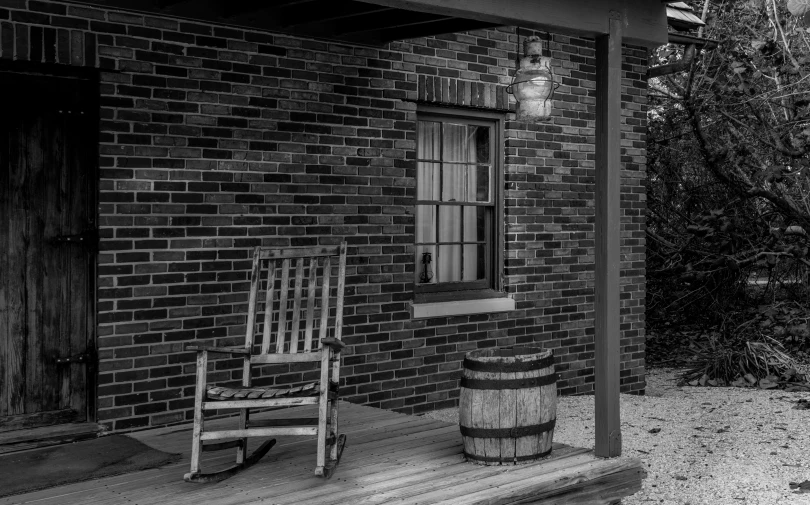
607	246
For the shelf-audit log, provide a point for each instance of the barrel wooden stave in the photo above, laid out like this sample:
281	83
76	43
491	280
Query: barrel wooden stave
507	408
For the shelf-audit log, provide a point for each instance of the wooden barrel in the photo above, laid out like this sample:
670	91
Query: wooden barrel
508	405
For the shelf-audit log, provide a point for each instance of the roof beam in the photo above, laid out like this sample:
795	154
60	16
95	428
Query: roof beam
235	9
375	22
331	11
440	26
645	21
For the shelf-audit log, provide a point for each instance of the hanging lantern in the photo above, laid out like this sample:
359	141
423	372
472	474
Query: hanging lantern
533	84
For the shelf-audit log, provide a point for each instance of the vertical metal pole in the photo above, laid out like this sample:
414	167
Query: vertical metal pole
607	246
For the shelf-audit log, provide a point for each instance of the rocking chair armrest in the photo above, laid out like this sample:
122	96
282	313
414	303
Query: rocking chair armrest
224	350
333	343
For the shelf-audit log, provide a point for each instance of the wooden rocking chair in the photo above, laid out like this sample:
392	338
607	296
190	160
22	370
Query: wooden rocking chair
272	288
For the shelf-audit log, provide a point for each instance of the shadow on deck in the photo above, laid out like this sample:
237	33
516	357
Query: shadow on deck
389	458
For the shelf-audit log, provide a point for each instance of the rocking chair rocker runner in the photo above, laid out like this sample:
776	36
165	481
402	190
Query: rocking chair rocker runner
283	341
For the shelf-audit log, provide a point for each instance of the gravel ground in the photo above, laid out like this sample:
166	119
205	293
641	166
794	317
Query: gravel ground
715	446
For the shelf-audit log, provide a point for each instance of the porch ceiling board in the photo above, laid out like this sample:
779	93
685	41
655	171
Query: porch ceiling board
347	21
645	21
376	22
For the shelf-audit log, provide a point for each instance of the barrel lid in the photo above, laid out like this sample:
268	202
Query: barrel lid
510	354
509	359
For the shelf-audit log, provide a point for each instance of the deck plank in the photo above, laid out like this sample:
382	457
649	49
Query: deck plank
403	485
500	490
389	458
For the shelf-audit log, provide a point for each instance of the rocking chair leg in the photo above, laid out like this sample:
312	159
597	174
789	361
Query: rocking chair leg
204	478
332	464
199	417
241	452
333	415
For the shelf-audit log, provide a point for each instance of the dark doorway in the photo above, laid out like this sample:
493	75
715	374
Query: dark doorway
48	187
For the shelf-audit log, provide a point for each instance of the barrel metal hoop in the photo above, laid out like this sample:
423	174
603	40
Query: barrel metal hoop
516	432
514	459
516	366
496	384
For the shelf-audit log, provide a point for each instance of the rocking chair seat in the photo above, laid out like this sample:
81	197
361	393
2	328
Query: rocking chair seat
226	393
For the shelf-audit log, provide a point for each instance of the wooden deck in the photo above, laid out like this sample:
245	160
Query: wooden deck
389	458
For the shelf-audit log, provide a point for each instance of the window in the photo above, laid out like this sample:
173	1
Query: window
459	205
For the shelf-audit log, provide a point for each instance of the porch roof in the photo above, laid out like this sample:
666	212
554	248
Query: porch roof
377	22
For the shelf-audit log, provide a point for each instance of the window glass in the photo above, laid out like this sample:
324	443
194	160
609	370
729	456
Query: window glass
429	147
428	180
473	268
454	183
481	183
425	224
455	146
449	264
480	142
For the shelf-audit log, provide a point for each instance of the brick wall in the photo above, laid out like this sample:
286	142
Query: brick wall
216	139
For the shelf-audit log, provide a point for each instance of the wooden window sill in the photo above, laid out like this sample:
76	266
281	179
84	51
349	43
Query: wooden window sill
461	307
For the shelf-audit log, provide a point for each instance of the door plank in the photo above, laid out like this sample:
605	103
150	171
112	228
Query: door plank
77	285
14	355
6	273
35	319
50	339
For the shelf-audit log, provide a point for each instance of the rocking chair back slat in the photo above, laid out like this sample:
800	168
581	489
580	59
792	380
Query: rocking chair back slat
254	282
268	310
341	286
296	322
313	264
282	305
327	268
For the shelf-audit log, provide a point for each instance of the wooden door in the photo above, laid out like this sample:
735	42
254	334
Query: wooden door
48	153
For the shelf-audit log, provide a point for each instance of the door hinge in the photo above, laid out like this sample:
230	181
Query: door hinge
76	358
87	238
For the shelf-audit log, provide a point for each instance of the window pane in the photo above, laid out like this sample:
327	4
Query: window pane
448	266
455	143
425	270
483	190
428	140
454	183
474	224
425	223
449	223
427	181
474	262
479	140
485	223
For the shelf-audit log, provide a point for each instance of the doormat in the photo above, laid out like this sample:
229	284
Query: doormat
22	472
